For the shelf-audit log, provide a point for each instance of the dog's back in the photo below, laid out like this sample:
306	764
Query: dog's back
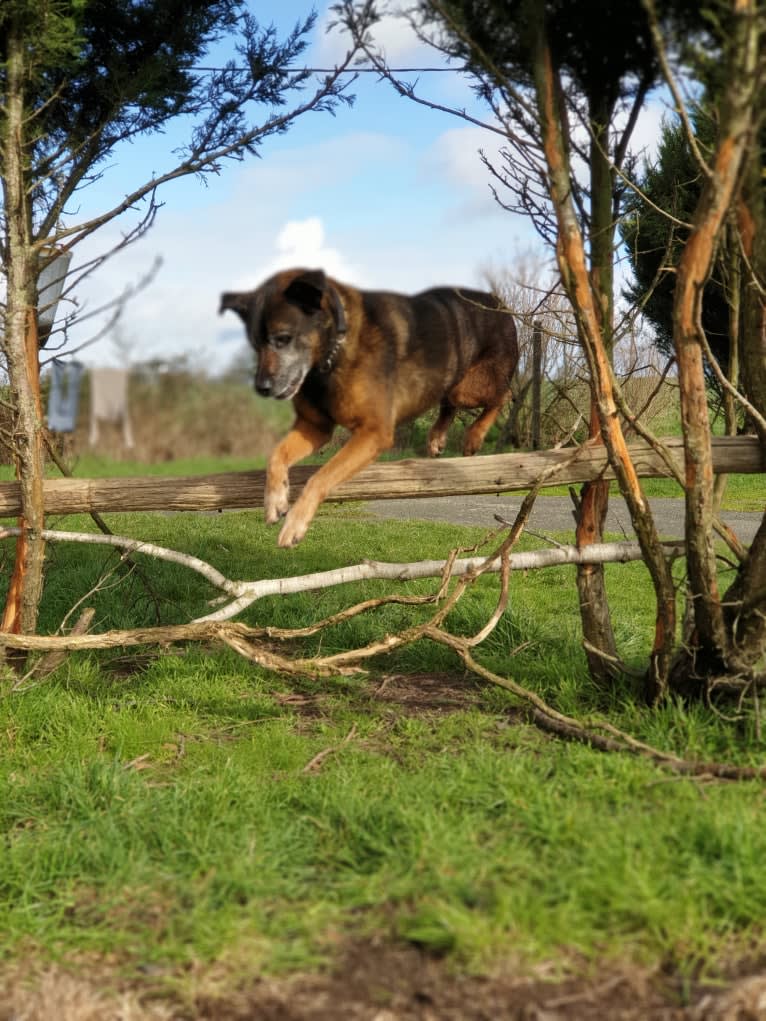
475	320
426	344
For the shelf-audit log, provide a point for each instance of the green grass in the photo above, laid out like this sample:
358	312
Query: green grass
91	465
742	492
470	834
155	806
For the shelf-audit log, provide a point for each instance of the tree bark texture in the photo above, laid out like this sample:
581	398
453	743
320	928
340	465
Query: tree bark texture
20	344
594	500
734	291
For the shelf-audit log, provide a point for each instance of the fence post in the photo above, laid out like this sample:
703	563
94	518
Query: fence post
537	371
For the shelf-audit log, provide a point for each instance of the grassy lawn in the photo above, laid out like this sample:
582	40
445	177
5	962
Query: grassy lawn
166	809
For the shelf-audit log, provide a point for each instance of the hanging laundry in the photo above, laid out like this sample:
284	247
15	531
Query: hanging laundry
109	402
64	395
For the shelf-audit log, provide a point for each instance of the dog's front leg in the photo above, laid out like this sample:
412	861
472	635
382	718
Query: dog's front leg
303	439
360	450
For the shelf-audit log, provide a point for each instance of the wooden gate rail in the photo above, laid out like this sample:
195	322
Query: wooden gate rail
492	473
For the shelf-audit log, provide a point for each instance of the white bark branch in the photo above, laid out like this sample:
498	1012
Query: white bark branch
245	593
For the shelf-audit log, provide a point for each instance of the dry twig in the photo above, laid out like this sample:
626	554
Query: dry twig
316	763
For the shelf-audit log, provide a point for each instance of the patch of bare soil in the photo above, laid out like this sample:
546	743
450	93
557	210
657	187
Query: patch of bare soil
387	983
374	982
426	694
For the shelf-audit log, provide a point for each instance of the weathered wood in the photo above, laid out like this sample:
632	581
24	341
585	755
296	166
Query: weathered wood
493	473
537	383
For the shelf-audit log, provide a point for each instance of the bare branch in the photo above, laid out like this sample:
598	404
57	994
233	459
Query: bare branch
245	593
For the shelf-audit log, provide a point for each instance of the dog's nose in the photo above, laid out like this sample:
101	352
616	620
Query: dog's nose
264	389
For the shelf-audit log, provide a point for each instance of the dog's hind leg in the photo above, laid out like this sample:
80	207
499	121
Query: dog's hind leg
437	437
485	386
478	429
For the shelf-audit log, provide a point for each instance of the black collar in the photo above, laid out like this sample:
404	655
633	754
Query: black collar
341	329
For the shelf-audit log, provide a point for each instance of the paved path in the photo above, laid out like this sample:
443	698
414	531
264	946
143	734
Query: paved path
550	513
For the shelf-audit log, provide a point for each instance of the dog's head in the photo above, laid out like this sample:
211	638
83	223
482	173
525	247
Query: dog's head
294	322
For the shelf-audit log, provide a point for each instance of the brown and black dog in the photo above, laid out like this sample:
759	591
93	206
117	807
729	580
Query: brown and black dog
368	360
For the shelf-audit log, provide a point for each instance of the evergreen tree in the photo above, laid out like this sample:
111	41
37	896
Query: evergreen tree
655	228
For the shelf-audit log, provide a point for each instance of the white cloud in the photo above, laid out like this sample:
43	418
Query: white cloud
302	243
301	235
392	35
455	157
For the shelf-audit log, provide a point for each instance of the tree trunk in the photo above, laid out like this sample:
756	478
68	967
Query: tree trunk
752	225
734	293
600	644
537	383
706	651
20	346
745	600
570	253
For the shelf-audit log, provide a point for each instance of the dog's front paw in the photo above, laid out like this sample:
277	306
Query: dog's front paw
299	518
293	530
276	502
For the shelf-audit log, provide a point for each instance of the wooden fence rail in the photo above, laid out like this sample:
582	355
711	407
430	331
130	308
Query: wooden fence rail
493	473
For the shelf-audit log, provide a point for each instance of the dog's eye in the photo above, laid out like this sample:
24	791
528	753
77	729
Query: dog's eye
281	339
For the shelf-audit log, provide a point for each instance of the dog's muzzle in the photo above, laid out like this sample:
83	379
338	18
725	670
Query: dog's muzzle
280	390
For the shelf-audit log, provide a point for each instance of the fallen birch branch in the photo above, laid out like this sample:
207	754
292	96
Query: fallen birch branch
244	593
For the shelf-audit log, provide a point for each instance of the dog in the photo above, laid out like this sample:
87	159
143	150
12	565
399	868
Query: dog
368	360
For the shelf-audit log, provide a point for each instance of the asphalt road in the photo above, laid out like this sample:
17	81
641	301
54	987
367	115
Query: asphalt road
550	514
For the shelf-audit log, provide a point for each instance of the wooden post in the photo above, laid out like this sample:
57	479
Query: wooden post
537	382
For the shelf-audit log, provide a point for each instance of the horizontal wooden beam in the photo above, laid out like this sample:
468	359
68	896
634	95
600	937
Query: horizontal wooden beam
492	473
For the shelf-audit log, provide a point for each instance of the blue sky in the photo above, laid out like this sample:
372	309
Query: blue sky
387	194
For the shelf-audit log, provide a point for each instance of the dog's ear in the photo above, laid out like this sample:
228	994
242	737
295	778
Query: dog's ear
307	290
239	301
